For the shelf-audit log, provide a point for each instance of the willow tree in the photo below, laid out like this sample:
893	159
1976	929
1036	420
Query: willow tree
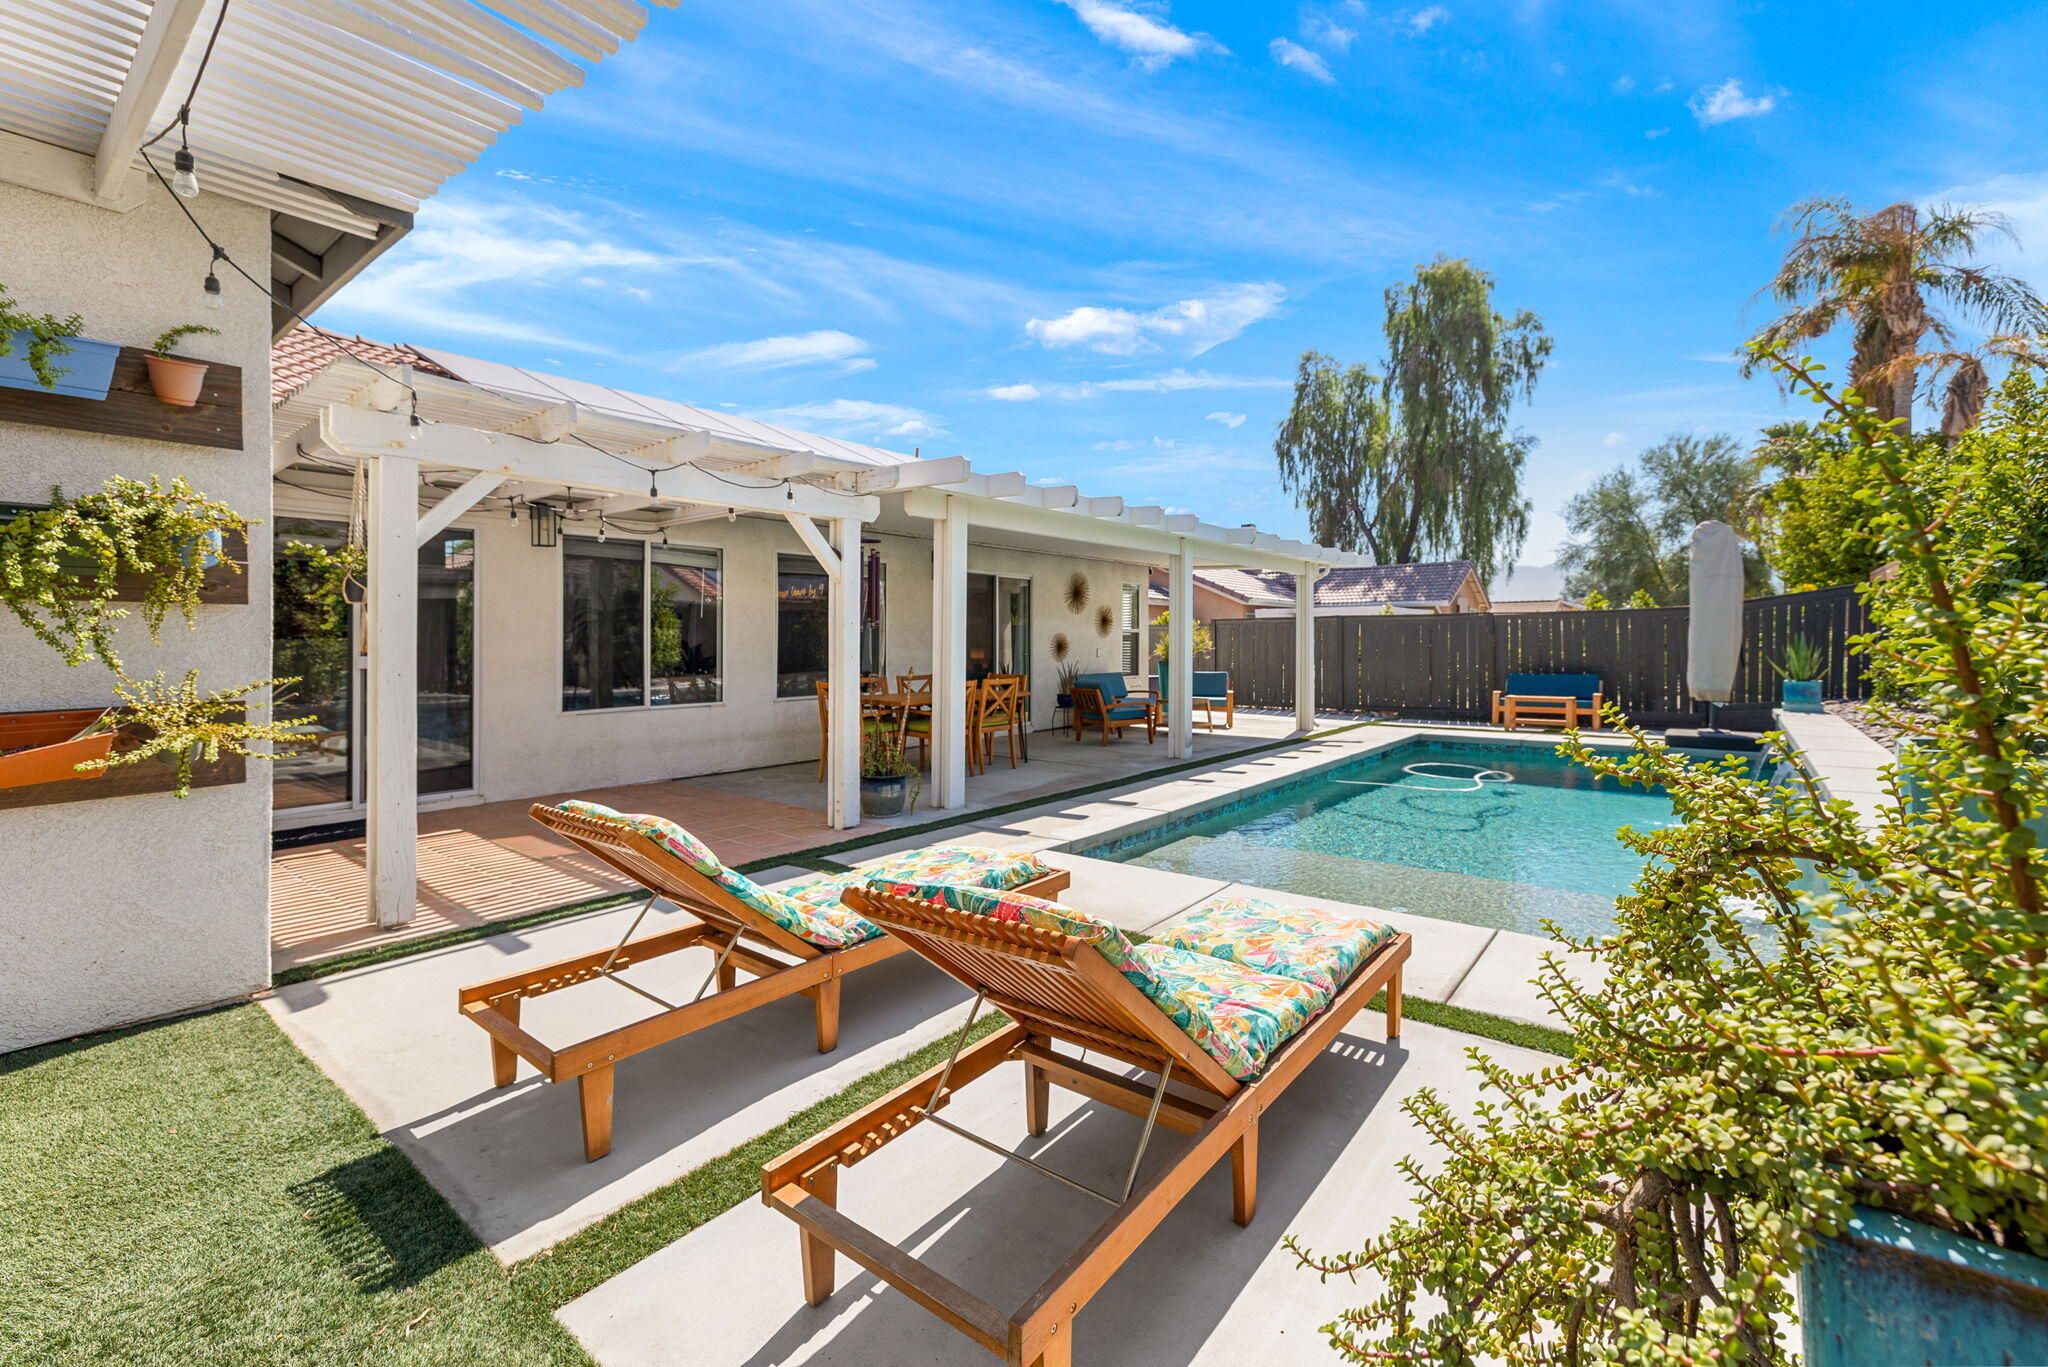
1417	461
1883	274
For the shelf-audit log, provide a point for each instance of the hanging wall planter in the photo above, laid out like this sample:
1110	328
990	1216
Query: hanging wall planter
84	371
178	379
47	747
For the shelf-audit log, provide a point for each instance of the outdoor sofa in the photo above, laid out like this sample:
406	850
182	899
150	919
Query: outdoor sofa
1231	1006
1549	700
1106	701
799	938
1211	692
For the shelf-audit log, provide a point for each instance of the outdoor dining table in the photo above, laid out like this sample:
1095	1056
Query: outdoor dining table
907	704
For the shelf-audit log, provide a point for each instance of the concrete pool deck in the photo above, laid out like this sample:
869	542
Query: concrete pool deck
510	1160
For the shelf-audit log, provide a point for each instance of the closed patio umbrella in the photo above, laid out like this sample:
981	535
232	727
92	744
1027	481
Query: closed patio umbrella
1713	634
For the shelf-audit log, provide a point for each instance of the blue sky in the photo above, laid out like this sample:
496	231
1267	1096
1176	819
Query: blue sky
1090	239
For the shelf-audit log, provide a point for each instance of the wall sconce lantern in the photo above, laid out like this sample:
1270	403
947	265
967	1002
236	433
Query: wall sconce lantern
545	522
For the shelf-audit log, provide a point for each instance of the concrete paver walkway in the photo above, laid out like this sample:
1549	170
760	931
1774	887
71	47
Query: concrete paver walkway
1201	1290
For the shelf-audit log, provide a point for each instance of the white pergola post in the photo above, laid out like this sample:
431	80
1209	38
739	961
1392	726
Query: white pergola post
392	713
1305	645
949	657
1180	655
840	557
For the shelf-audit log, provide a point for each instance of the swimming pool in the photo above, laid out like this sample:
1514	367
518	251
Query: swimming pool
1489	833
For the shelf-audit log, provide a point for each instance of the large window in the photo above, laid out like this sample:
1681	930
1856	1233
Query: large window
998	625
1130	621
803	598
640	624
682	629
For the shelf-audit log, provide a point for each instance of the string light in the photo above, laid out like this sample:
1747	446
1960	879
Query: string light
213	299
185	175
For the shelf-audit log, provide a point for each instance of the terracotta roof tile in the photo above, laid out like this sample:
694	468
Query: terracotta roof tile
303	352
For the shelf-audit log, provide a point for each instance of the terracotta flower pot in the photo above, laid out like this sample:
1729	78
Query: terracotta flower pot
177	381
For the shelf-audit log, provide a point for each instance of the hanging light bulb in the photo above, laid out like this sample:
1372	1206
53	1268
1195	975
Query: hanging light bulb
600	526
213	299
185	179
732	515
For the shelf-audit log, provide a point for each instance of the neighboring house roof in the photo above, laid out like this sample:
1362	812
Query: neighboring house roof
1431	583
1512	605
304	352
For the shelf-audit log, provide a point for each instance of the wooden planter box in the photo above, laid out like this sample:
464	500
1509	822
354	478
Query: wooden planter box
224	582
43	776
131	408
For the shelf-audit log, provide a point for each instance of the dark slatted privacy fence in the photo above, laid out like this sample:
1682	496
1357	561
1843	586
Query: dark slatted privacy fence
1449	666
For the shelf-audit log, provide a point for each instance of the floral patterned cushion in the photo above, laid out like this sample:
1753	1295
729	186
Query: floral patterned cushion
1109	942
954	864
1319	948
1238	1016
828	925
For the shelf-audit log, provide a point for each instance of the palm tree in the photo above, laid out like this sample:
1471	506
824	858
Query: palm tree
1878	273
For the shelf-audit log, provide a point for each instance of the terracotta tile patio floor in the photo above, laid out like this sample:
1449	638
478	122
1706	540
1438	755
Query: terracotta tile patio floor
493	863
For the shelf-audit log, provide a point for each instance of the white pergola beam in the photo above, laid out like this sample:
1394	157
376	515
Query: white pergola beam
60	171
789	465
360	432
1100	507
548	425
1145	515
458	501
917	474
808	533
157	53
1305	581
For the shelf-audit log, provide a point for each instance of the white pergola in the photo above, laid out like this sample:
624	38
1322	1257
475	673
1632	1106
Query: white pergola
419	435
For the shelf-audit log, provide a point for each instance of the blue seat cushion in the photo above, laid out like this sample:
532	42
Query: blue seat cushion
1580	686
1129	711
1111	686
1209	683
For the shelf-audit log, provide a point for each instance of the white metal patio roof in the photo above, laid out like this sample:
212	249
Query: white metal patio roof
653	433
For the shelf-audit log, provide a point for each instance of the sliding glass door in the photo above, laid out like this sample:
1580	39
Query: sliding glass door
316	639
998	625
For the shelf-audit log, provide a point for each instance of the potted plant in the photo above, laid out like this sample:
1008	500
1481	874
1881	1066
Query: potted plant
1800	669
59	572
1762	1060
885	776
178	379
30	344
1068	672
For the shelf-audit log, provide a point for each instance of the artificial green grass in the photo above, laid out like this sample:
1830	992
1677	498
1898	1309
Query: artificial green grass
813	858
196	1192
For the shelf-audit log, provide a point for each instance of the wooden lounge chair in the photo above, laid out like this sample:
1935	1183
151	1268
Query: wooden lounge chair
730	920
1549	700
1058	987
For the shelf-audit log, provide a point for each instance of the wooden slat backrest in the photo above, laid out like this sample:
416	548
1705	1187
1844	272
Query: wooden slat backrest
1054	984
644	860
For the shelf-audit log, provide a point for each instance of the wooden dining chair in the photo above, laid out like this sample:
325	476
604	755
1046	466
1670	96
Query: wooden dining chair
874	683
913	683
1001	714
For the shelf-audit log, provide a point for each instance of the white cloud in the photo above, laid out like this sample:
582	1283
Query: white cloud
1617	181
1728	101
1299	58
1012	393
515	250
1624	84
1614	439
1655	133
842	350
1231	420
860	419
1151	42
1169	382
1195	324
1427	18
2023	199
1332	27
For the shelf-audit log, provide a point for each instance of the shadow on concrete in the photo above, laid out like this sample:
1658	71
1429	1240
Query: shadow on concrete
1014	1228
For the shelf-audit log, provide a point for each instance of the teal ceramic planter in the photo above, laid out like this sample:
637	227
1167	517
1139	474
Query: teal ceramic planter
85	372
1896	1292
1801	695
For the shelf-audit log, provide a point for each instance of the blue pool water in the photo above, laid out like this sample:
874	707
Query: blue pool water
1490	834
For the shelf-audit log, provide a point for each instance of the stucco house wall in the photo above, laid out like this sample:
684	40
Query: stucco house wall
120	909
